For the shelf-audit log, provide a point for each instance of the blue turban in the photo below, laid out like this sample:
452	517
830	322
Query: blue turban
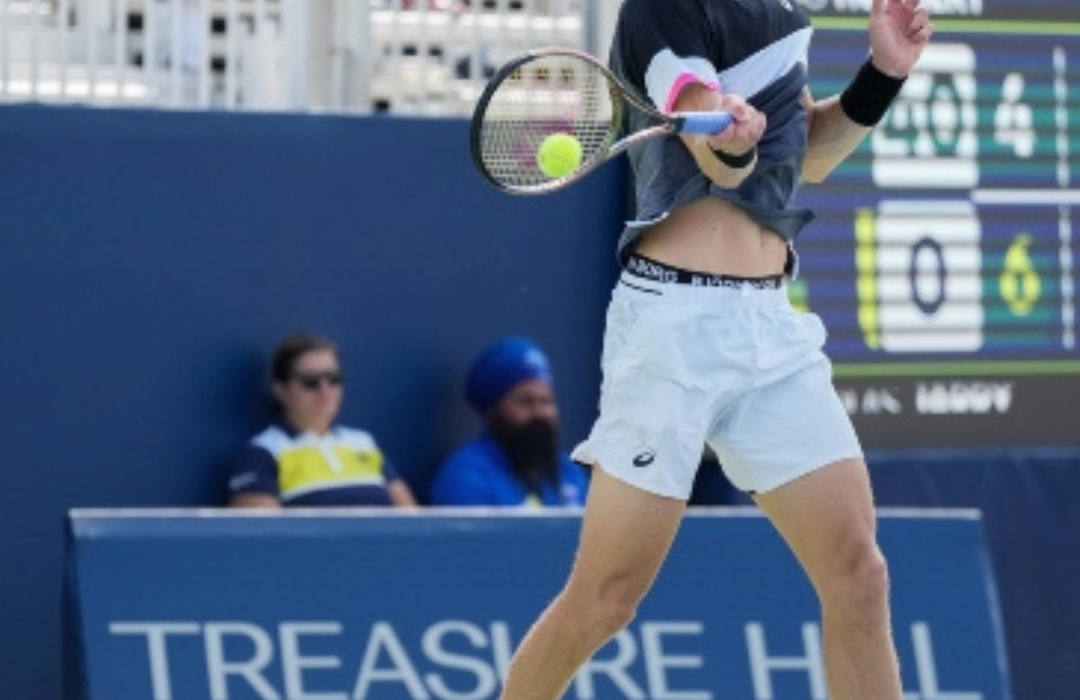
501	367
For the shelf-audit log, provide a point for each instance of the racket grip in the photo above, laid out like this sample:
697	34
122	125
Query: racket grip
702	122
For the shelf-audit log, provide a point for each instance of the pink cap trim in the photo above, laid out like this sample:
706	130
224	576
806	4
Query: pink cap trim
680	83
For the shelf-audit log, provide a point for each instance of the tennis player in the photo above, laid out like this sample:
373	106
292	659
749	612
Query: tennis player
702	346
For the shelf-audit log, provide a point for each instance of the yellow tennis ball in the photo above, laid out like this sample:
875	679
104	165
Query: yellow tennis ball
559	155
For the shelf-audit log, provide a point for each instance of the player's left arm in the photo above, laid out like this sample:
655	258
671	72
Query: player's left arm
899	30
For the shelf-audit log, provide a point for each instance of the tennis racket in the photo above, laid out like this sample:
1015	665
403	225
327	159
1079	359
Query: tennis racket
562	91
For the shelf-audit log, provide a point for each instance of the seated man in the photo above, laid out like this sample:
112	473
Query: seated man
516	460
306	458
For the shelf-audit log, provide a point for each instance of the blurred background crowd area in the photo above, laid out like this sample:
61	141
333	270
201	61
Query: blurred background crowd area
404	57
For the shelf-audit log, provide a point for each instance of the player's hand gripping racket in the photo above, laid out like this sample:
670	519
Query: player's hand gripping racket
555	90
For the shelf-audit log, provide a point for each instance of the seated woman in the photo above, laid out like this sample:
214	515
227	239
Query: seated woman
305	458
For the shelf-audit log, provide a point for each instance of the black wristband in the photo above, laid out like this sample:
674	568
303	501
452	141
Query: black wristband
869	95
735	162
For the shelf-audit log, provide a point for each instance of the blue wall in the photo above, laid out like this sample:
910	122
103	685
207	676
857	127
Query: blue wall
149	261
1030	498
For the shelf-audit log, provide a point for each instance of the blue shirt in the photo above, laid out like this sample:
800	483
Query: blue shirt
479	474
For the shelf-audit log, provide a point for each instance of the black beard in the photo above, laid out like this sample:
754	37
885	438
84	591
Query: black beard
532	448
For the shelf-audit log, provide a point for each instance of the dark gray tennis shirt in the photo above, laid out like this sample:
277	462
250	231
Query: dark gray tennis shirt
753	48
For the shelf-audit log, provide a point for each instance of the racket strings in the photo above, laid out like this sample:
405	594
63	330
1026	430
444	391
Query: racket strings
543	96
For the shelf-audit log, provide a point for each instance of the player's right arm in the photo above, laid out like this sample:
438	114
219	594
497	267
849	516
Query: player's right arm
663	48
736	143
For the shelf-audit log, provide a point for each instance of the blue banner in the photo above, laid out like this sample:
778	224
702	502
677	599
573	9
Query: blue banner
342	607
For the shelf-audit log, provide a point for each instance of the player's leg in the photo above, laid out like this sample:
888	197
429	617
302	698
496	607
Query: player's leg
625	536
827	518
792	444
646	442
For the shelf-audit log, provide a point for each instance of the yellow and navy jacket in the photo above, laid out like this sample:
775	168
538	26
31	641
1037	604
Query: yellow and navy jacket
344	467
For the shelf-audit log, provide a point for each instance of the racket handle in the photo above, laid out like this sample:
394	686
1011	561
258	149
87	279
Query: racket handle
701	122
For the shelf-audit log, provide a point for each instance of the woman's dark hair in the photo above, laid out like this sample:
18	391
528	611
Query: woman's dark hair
293	346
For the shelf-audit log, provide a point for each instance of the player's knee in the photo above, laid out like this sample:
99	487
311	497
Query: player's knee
861	583
872	575
607	611
613	614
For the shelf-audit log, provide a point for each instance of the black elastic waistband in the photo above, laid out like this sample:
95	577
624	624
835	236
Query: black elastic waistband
645	268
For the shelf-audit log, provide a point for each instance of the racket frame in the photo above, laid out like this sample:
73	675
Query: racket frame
621	97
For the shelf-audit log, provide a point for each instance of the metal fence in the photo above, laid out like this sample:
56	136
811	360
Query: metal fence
428	57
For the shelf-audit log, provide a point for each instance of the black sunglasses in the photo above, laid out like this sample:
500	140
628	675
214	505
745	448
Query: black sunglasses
312	380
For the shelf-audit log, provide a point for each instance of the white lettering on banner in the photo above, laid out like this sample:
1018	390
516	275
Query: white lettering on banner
402	670
432	644
502	647
155	633
926	669
955	398
657	662
761	664
812	662
451	672
293	662
218	668
616	669
871	401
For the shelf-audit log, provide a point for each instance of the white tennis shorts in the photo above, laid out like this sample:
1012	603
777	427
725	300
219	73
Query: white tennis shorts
734	367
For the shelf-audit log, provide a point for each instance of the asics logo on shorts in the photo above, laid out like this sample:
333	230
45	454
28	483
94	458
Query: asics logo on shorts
644	459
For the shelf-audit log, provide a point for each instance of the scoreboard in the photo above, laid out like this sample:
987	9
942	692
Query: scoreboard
943	258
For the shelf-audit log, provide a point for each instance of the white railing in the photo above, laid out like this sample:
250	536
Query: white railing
428	57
